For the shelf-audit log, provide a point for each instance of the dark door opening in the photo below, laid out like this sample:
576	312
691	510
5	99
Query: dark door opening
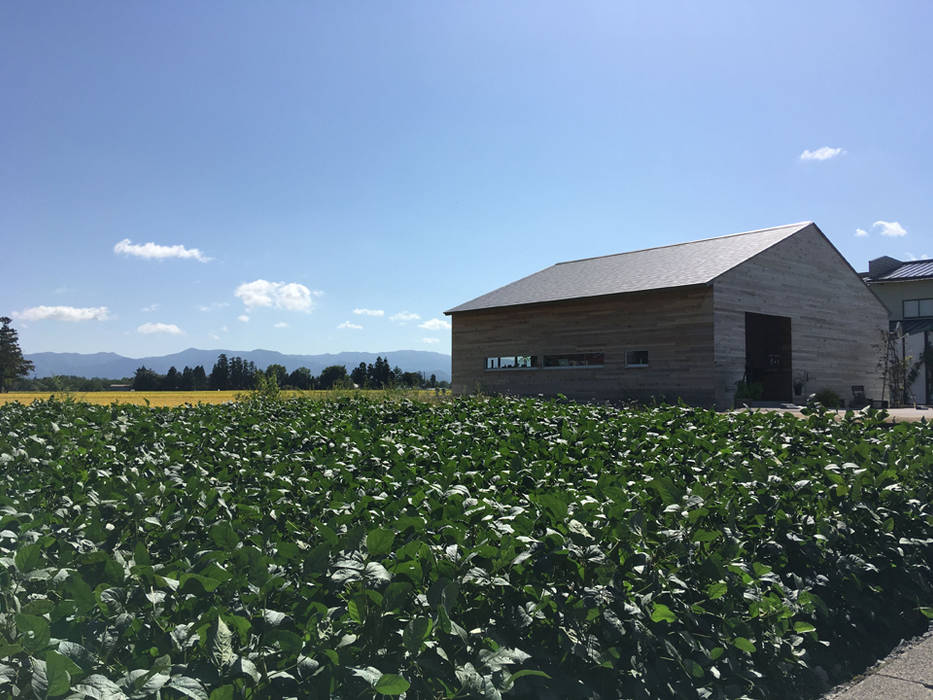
768	356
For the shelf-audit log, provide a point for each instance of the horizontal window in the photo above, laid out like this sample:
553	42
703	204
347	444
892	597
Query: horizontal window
587	359
918	307
636	358
512	362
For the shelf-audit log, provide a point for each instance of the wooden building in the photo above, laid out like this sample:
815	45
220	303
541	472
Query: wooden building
777	309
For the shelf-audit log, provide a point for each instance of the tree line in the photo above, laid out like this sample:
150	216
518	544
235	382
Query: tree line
227	373
235	373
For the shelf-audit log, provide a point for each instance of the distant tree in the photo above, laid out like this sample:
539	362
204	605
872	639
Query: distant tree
199	378
146	380
172	380
358	375
432	382
412	379
220	374
12	362
279	372
379	374
301	379
332	375
187	379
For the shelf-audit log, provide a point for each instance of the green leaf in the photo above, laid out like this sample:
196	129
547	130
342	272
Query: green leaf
743	644
661	612
191	583
34	632
28	558
224	692
10	650
222	653
189	687
716	590
56	670
370	674
525	672
416	632
801	627
391	684
502	657
379	541
224	536
927	611
99	687
245	667
80	592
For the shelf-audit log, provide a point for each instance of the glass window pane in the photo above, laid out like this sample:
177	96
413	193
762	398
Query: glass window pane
926	307
911	308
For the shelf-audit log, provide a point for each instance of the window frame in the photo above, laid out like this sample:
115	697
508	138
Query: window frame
587	363
919	303
637	365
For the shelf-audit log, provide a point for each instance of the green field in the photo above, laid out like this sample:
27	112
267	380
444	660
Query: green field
470	548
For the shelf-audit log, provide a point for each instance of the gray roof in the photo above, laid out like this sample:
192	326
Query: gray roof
921	269
679	265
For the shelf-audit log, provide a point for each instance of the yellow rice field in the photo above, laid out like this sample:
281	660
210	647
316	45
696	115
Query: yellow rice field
179	398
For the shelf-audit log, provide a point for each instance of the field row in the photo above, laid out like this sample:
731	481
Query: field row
471	548
171	399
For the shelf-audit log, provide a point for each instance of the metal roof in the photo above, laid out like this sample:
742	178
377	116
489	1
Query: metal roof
678	265
921	269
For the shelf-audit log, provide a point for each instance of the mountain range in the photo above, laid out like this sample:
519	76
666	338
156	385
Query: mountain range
113	366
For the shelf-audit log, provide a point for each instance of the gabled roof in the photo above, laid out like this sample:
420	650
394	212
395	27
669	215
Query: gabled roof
678	265
920	269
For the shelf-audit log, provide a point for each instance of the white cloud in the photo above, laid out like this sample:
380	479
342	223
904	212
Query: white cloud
351	326
225	329
435	324
243	318
890	228
860	233
213	306
214	336
369	312
430	340
824	153
404	317
281	324
150	328
290	296
913	258
153	251
64	313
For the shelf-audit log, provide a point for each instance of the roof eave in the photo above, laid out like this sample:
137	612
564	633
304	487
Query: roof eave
549	302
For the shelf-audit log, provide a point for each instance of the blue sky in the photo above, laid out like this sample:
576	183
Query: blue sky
318	177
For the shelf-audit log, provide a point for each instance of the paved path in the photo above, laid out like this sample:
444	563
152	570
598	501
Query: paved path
906	674
895	415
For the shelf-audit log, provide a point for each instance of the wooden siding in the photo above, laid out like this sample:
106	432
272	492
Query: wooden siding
674	326
836	322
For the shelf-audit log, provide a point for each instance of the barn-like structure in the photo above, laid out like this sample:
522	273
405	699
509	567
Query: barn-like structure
777	312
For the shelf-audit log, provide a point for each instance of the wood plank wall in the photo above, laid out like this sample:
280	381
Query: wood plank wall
836	322
673	325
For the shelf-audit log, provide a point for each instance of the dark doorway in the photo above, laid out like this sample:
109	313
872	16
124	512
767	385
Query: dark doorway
768	356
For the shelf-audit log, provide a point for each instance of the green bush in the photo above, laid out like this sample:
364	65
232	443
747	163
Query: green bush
468	548
828	398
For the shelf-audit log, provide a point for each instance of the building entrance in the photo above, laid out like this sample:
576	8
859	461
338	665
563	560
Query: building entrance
768	356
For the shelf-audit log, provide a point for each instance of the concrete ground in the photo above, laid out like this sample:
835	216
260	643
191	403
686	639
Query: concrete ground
906	674
895	415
